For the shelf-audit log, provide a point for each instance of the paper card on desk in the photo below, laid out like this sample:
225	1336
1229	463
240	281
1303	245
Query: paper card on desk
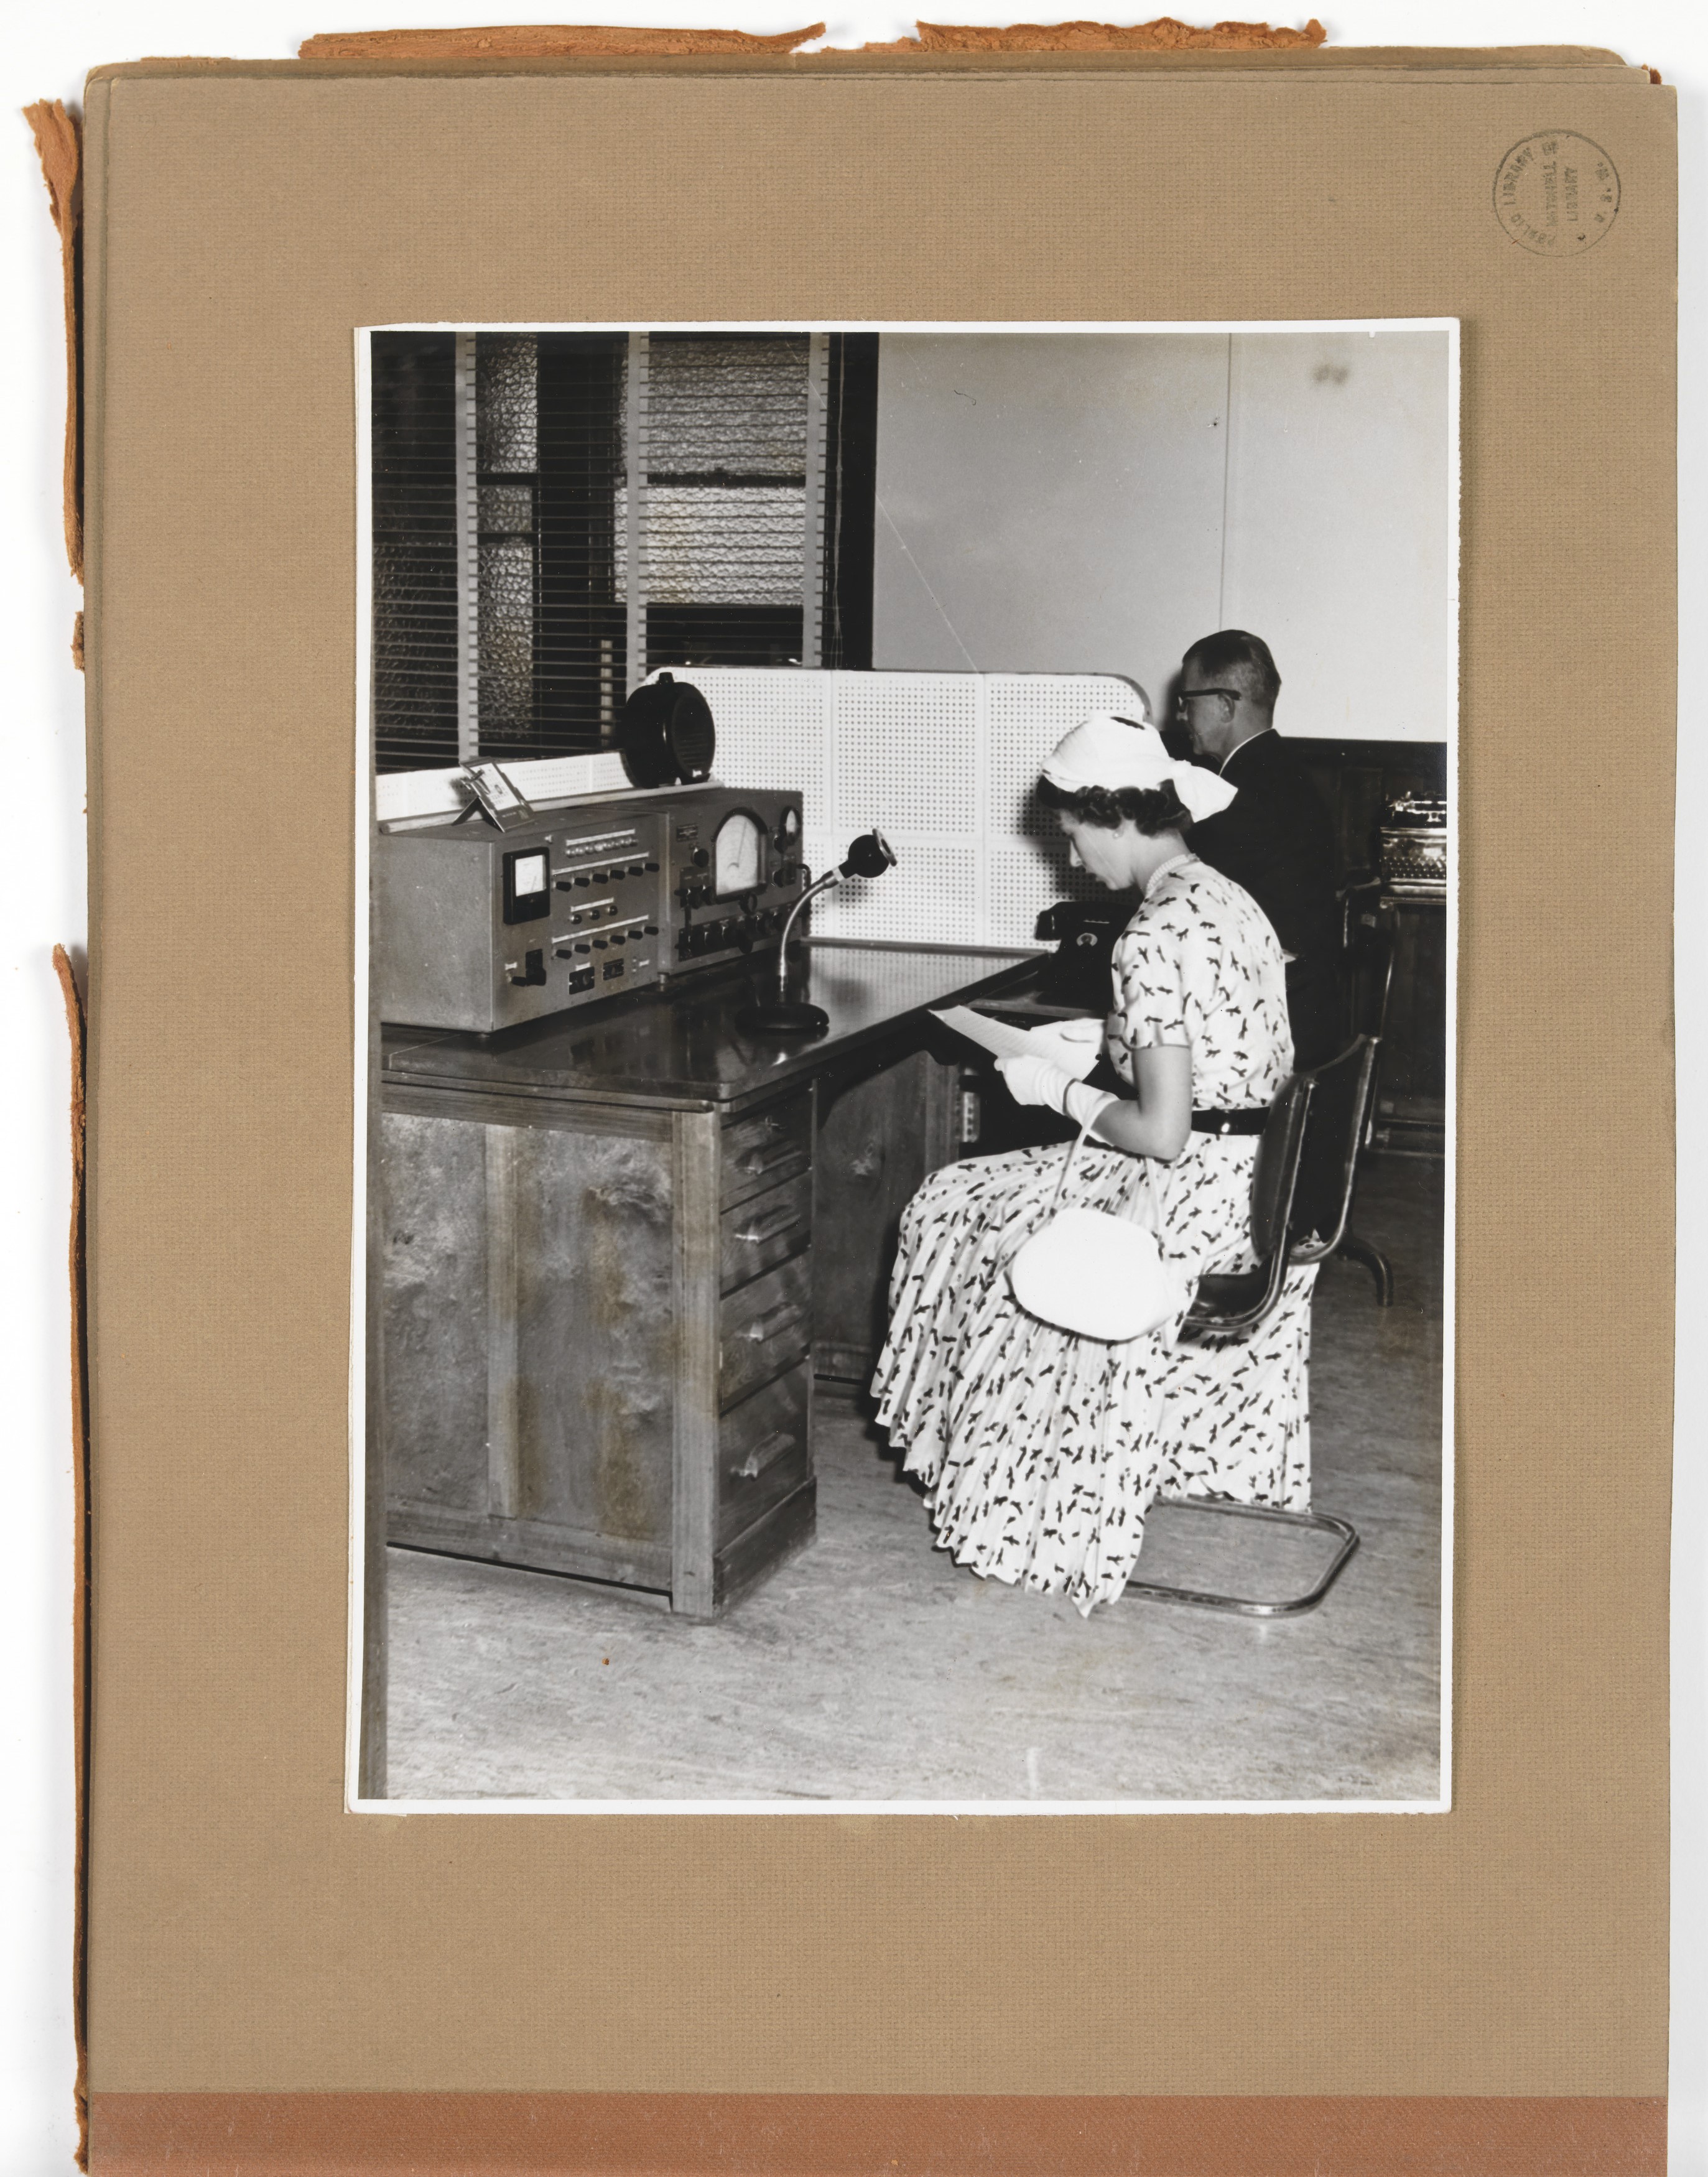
996	1036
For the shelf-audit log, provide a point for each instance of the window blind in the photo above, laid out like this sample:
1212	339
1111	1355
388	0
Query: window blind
556	514
415	550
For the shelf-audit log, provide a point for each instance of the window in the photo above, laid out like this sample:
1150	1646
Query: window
556	515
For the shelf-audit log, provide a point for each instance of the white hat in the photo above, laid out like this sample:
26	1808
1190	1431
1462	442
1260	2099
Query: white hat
1112	752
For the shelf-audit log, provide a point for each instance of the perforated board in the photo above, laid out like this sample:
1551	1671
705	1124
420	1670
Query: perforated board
944	764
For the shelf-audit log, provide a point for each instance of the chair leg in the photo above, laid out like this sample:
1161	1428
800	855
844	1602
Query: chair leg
1361	1251
1322	1522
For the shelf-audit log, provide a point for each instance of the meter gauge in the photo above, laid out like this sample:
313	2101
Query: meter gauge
737	855
526	885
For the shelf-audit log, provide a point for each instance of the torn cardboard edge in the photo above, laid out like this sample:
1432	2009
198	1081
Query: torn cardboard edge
59	142
80	1622
59	146
1163	36
557	40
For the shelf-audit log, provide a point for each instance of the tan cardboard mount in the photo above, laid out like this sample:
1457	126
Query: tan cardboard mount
278	1984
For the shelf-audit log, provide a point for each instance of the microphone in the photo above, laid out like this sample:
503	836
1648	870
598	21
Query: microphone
868	856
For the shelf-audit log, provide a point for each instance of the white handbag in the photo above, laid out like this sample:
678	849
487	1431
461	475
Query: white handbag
1095	1273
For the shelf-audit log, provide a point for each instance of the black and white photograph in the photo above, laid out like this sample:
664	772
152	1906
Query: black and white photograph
905	1180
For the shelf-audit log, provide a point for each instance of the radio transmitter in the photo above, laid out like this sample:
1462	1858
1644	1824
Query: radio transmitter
482	929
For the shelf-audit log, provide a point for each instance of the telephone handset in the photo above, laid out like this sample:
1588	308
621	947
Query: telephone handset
1084	932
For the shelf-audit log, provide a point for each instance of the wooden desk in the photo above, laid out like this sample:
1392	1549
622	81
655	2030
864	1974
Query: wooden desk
614	1243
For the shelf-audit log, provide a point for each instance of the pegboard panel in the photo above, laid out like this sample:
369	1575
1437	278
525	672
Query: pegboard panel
930	896
945	764
1022	881
773	730
1026	714
907	751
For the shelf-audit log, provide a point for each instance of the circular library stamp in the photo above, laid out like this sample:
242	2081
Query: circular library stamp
1556	194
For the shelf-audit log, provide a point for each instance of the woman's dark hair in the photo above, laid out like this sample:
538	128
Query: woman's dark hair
1152	809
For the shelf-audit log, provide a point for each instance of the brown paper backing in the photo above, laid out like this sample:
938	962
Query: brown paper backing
1503	1965
885	2135
77	1269
59	146
541	41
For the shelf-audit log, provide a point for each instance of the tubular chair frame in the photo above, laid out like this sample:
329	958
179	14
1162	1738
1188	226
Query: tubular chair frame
1323	1523
1371	953
1247	1297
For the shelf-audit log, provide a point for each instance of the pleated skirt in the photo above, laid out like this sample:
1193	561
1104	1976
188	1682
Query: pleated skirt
1043	1451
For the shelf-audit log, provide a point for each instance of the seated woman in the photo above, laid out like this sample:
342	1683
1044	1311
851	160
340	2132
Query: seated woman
1043	1451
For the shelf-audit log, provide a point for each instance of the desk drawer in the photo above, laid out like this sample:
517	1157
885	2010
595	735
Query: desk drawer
767	1327
762	1452
765	1150
760	1234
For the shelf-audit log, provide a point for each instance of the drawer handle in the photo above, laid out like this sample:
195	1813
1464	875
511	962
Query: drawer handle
783	1218
765	1455
762	1159
780	1319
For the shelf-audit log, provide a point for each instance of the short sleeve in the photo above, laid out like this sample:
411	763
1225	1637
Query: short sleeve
1152	1000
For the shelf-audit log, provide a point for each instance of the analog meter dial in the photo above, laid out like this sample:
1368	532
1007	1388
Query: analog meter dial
738	860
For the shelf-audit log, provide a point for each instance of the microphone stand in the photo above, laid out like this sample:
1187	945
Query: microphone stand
781	1015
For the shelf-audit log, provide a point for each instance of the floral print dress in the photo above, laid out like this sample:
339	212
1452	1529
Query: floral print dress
1044	1451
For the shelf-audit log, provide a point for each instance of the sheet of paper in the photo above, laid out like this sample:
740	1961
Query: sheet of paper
994	1035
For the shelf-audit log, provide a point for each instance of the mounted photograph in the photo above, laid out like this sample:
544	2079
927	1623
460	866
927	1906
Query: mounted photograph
905	1174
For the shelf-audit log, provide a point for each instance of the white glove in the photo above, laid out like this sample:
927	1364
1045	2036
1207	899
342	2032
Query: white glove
1035	1081
1032	1080
1074	1045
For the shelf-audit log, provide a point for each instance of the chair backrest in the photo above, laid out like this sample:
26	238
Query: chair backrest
1337	1111
1370	973
1275	1175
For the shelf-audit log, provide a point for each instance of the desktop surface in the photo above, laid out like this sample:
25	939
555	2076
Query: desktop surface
679	1047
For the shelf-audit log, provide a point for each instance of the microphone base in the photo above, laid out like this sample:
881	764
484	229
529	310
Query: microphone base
782	1016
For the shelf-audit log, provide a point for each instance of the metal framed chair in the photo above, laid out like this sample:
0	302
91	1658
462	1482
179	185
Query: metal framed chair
1369	958
1302	1192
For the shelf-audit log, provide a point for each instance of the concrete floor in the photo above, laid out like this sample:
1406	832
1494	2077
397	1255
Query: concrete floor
871	1667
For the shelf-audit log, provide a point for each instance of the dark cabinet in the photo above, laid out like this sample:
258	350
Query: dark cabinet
614	1251
879	1134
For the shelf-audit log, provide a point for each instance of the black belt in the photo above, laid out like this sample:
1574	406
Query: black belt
1230	1122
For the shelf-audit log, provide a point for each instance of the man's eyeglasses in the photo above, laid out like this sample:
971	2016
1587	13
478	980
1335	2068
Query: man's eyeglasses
1191	696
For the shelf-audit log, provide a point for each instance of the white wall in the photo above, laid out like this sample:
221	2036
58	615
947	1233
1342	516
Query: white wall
1338	528
1079	502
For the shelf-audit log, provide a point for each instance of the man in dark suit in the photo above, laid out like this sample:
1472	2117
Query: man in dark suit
1275	837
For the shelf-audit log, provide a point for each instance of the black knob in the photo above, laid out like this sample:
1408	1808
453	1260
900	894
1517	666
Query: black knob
583	881
598	945
584	948
744	935
619	937
701	858
652	929
651	866
563	884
